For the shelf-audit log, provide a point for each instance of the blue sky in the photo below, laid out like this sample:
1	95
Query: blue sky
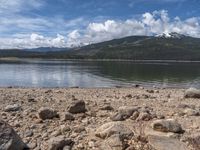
65	23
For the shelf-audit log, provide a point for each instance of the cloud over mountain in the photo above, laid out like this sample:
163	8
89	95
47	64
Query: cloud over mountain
149	23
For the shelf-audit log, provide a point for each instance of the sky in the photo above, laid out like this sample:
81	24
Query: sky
69	23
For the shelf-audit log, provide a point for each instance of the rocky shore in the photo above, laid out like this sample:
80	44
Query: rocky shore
99	119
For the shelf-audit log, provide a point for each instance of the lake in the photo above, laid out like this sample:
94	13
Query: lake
62	73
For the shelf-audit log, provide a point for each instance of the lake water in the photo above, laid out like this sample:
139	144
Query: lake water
54	73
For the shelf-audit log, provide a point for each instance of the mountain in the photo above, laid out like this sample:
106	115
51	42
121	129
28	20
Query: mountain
171	35
171	46
46	49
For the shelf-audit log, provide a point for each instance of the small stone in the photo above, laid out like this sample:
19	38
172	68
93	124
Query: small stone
168	125
107	107
123	113
67	148
47	113
115	142
14	107
79	129
28	133
144	116
67	116
64	128
60	142
166	143
56	133
135	115
191	112
77	107
112	128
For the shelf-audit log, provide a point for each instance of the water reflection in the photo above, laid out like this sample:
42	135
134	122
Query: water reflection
38	73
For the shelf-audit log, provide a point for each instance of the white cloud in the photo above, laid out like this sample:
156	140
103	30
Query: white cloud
153	23
157	22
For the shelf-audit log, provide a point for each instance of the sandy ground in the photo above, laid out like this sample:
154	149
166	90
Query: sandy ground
162	103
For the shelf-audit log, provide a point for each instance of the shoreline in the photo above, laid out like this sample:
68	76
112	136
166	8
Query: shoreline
102	104
99	60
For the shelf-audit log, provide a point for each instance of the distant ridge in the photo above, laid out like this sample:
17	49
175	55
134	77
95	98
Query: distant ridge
167	46
46	49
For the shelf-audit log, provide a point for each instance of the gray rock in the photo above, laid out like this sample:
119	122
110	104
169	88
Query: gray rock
14	107
118	117
77	107
66	116
107	107
168	125
165	143
58	143
9	140
28	133
191	112
127	111
112	128
46	113
123	113
192	93
135	115
115	142
144	116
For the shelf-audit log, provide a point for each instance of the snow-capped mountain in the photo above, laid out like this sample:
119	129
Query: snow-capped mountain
170	35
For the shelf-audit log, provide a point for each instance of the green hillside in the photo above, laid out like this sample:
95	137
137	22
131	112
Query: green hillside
177	47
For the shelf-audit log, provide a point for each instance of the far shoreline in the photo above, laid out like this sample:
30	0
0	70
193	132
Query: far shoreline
100	60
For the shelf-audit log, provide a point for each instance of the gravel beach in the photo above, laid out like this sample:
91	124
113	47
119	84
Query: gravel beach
102	118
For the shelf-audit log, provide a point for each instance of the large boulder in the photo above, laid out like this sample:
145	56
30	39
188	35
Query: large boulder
168	125
77	107
58	143
192	93
9	140
113	128
46	113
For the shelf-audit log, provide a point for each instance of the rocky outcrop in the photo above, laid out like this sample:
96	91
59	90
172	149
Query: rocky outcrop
9	140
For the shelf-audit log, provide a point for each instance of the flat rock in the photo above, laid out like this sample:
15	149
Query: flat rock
77	107
9	140
165	143
14	107
46	113
112	128
168	125
192	93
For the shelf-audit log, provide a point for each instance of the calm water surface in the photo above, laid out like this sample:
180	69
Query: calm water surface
54	73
